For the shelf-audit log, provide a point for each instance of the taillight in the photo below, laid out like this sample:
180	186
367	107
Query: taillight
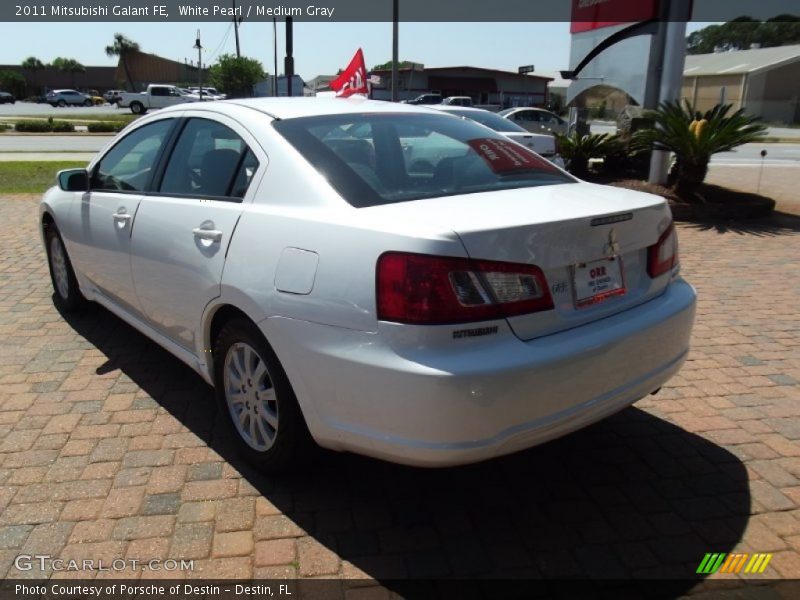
663	255
423	289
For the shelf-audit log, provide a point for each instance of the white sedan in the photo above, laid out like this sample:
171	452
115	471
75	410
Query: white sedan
541	143
284	249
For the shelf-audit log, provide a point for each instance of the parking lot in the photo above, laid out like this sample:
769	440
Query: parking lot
109	449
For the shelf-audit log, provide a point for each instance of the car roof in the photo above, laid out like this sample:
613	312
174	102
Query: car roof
295	107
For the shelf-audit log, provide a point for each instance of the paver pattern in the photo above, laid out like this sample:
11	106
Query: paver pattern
109	449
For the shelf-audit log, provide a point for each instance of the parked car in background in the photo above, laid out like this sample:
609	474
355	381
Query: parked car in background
113	96
457	101
6	98
425	99
63	98
156	96
209	93
543	144
281	248
94	96
535	120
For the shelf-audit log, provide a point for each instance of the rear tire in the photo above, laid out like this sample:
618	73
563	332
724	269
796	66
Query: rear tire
256	400
68	296
138	108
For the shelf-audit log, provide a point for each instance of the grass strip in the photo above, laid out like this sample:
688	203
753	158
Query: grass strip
32	177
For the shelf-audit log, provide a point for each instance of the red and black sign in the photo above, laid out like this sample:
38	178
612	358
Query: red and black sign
588	15
506	156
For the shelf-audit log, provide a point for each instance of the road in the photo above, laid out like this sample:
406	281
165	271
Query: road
776	132
29	109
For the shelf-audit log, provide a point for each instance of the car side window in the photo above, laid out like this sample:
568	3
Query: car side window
129	164
209	160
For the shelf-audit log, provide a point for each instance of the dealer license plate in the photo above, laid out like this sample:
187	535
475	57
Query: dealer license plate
597	281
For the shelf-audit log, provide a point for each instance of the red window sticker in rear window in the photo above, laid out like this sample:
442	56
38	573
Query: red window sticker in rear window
507	157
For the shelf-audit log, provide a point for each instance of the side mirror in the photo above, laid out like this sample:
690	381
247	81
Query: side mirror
73	180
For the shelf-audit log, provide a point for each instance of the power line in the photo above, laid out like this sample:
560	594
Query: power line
221	44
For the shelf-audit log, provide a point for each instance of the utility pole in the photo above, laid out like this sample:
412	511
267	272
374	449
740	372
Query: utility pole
236	22
275	56
199	64
288	63
395	46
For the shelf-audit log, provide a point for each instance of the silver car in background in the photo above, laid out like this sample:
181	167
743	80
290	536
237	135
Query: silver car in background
285	250
543	144
63	98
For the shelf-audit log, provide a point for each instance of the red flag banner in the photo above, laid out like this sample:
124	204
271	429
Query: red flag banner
353	80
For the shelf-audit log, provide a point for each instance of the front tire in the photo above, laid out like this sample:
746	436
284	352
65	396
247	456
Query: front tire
68	295
256	400
61	103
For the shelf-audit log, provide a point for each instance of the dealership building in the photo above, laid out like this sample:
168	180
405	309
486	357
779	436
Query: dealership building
484	86
765	81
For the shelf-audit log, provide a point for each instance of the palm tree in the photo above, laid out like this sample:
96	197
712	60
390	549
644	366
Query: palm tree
123	47
68	65
694	137
32	64
578	149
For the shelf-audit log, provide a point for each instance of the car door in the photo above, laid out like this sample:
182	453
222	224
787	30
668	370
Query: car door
183	229
102	228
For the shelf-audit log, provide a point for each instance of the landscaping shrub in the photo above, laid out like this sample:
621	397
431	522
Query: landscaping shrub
694	137
48	126
105	127
578	149
62	127
33	126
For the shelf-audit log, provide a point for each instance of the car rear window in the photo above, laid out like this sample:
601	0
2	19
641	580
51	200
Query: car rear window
373	159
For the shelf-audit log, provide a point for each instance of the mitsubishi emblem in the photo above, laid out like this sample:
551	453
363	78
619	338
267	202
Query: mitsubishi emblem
613	246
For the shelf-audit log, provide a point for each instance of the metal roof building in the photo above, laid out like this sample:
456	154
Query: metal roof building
766	81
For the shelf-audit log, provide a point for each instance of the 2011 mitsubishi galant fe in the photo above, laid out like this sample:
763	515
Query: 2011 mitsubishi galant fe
289	253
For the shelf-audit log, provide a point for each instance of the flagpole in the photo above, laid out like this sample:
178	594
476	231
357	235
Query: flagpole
395	46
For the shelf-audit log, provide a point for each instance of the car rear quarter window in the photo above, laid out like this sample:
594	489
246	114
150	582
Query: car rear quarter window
129	165
209	160
380	158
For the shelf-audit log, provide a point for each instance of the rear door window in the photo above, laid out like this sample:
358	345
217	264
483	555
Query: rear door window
209	160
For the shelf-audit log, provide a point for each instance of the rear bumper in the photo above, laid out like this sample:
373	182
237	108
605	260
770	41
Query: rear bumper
488	397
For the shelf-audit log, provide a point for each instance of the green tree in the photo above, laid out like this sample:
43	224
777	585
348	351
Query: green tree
123	47
32	65
694	137
68	65
743	32
387	66
12	82
236	76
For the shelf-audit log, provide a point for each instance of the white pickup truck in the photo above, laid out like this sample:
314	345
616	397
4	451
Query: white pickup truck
156	96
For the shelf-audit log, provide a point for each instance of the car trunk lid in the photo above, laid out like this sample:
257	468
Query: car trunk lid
566	230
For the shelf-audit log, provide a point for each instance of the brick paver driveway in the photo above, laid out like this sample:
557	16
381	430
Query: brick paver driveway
108	449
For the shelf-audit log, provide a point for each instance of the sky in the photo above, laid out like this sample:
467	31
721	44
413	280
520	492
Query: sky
319	48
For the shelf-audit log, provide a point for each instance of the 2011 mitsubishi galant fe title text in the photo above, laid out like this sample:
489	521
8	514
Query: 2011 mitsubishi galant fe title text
289	252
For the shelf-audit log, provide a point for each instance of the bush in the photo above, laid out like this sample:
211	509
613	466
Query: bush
44	126
33	126
62	127
105	127
577	150
694	137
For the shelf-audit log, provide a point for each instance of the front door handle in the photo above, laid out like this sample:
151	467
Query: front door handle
212	235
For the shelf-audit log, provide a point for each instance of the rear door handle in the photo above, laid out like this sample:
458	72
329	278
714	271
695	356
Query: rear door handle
213	235
121	218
